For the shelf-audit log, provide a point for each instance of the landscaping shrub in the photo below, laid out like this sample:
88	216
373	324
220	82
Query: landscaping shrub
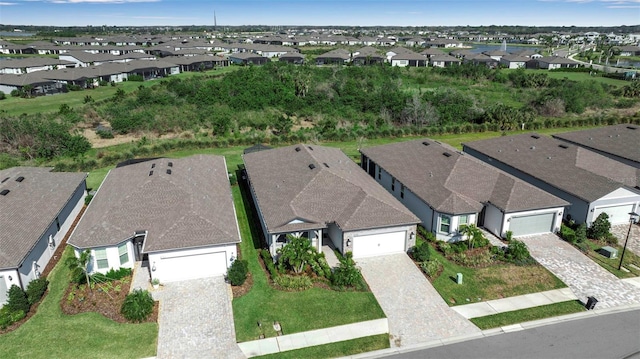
112	274
17	300
426	235
610	240
430	268
36	289
104	134
445	247
87	199
291	282
518	253
137	305
508	236
600	227
8	317
347	274
477	259
237	273
581	233
2	96
567	234
421	252
268	262
137	78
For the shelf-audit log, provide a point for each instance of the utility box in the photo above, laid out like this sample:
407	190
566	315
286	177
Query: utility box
609	252
591	303
459	278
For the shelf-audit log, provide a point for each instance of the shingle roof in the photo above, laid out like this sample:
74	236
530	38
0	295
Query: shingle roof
30	207
560	164
619	140
191	207
319	185
454	183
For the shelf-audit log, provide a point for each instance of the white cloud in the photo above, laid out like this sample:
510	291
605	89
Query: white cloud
8	3
99	1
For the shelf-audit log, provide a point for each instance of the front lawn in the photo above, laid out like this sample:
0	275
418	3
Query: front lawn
494	281
311	309
335	350
529	314
593	251
52	334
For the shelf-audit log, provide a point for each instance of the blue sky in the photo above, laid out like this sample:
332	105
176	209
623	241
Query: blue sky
321	12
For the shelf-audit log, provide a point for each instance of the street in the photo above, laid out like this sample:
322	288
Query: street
604	336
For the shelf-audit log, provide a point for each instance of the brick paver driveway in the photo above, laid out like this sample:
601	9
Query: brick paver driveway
621	230
196	320
581	274
415	311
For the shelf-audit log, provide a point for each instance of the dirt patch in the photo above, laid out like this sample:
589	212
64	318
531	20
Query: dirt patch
104	298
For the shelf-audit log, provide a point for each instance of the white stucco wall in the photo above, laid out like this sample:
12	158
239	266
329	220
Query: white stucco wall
620	196
493	220
336	236
4	277
161	268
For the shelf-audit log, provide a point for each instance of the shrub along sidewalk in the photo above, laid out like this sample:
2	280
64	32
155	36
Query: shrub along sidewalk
52	334
310	309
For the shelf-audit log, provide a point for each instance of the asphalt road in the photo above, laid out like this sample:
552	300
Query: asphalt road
608	336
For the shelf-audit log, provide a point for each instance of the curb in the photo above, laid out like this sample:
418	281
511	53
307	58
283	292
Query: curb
494	331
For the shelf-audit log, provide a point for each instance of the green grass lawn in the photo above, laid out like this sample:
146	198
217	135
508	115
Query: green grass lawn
529	314
52	334
335	350
296	311
583	76
611	264
492	282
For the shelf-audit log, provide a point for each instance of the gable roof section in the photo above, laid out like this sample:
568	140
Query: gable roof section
190	207
30	207
559	164
455	183
319	185
619	140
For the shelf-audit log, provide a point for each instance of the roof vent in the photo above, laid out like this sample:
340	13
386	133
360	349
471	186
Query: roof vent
312	166
168	171
153	165
5	180
20	179
425	143
170	164
535	136
549	157
297	149
590	138
150	173
632	128
563	146
311	148
533	147
446	154
325	164
5	192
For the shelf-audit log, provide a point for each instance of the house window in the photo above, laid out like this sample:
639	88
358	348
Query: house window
401	191
124	253
445	223
379	172
282	238
101	258
463	220
393	184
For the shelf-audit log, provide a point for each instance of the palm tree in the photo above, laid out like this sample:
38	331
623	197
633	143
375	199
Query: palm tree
79	265
471	232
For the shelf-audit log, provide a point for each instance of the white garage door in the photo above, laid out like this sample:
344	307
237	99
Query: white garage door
193	266
378	244
617	214
3	291
533	224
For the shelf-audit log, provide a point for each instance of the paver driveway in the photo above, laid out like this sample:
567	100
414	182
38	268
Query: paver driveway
415	311
584	276
196	320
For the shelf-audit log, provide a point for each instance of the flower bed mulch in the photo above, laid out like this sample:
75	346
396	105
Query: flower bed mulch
103	298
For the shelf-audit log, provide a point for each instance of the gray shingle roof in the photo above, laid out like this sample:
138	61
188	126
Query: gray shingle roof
456	183
191	207
30	207
619	140
545	159
334	190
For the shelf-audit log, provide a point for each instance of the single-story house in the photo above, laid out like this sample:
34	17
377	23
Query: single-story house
496	54
319	193
629	50
292	58
481	59
591	182
247	58
176	216
408	58
431	52
367	56
619	142
514	61
334	57
447	189
38	208
28	65
38	84
444	60
551	63
197	63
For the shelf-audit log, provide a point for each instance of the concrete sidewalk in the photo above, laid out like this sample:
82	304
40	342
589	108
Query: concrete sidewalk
525	301
314	337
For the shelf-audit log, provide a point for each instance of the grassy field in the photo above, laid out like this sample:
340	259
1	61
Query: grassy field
52	334
492	282
296	311
529	314
583	76
611	264
335	350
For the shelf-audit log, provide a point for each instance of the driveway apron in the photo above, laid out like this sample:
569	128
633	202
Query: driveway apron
583	276
415	311
196	320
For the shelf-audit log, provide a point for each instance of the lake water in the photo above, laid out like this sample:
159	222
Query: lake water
510	48
15	34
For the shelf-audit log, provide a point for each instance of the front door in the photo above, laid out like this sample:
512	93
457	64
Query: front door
138	242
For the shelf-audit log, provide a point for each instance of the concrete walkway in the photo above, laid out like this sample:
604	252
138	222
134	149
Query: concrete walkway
525	301
416	312
196	320
314	337
584	277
